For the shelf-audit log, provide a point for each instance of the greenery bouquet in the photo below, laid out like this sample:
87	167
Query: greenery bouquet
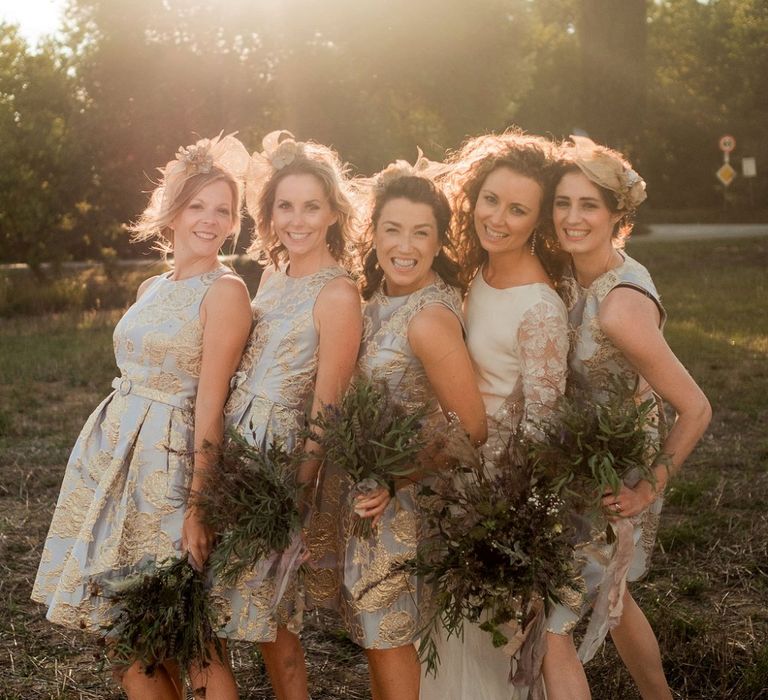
591	446
497	552
372	438
163	612
251	500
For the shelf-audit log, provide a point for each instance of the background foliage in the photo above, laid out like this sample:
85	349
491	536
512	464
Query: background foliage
86	117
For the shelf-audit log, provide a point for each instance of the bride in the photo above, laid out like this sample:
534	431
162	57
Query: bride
517	336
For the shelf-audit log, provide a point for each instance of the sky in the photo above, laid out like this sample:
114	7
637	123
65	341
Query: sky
34	17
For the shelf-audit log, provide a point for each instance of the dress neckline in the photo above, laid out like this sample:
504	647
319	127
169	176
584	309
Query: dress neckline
513	288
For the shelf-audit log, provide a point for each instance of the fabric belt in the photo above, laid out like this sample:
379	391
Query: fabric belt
124	386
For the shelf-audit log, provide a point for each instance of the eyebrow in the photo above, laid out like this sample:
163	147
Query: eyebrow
512	204
309	201
581	199
399	225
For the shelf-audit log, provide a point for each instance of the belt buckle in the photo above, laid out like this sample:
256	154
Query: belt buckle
125	386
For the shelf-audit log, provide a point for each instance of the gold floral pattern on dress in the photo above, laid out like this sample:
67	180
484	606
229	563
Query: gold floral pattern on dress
594	362
119	497
272	392
379	601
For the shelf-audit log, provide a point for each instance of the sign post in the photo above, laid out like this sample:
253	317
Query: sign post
725	173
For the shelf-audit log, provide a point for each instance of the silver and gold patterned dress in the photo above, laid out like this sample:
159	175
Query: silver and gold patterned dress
380	606
594	361
272	396
121	498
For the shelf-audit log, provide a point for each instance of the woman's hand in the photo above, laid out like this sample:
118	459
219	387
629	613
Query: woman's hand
373	504
196	539
629	501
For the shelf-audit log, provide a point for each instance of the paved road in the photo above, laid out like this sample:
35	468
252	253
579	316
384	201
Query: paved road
682	232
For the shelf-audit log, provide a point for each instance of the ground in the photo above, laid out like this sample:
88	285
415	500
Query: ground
706	594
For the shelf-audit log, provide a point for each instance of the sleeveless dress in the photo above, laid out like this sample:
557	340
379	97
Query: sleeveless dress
271	398
521	366
121	498
593	362
380	608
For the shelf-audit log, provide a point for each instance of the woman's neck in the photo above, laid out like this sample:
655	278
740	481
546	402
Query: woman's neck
513	268
590	266
303	265
185	266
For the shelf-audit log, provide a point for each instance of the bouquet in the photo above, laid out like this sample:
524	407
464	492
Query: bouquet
498	553
591	446
250	499
372	438
163	612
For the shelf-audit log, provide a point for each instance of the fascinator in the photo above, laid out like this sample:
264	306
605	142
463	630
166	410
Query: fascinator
225	153
278	150
606	169
422	167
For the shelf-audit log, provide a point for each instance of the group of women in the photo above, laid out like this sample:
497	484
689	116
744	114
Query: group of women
488	283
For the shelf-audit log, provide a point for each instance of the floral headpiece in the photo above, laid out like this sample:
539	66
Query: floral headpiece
608	171
279	149
225	153
423	167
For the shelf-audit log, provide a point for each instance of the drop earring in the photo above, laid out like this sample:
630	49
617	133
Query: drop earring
533	241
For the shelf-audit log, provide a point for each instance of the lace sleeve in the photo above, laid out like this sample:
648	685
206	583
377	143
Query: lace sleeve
543	342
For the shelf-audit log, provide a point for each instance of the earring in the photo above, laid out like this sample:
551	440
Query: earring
533	241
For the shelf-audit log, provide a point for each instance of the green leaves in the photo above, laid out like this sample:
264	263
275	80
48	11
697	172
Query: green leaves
163	613
370	437
251	501
591	446
496	543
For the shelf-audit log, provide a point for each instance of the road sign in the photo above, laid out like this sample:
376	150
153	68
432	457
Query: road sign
726	174
748	167
727	143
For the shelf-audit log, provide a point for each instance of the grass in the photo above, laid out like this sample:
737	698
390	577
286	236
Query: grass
705	595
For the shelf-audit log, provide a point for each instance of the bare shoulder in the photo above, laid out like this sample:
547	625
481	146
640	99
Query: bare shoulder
340	291
145	285
229	295
626	311
434	325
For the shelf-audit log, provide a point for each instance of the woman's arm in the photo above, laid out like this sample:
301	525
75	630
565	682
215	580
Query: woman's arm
436	339
631	322
226	317
339	323
542	339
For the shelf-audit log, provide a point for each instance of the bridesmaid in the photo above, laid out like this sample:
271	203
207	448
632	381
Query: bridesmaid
517	335
177	348
413	340
617	320
301	355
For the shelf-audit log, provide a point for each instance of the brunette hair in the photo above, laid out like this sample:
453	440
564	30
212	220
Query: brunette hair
420	190
530	156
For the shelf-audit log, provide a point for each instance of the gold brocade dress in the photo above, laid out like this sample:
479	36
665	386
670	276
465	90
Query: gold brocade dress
270	400
121	499
594	361
380	606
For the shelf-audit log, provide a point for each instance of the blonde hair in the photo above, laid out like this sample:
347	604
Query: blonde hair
154	223
322	163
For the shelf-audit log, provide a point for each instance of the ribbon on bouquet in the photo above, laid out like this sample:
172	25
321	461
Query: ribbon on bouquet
609	603
280	567
529	644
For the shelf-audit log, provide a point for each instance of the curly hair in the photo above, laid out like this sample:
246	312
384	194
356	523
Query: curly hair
154	223
324	164
527	155
566	163
419	190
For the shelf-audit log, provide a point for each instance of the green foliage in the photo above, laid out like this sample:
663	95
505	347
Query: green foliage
250	500
371	437
163	612
591	445
495	545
